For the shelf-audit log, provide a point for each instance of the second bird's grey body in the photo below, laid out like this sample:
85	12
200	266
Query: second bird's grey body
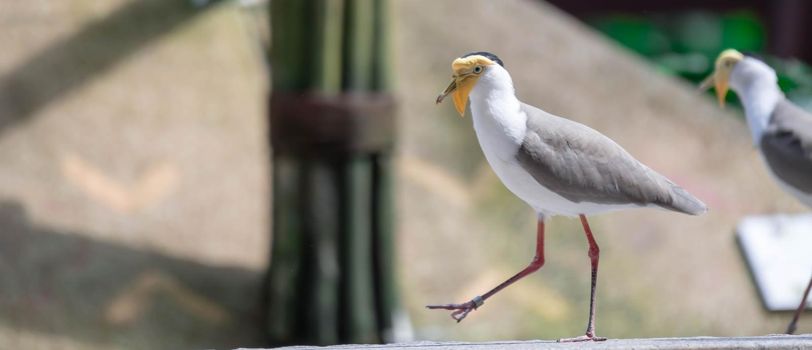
787	147
561	167
781	130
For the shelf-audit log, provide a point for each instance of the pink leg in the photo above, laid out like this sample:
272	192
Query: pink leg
462	310
794	323
594	255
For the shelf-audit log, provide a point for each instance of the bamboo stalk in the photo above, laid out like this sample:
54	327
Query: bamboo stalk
321	221
358	316
359	32
384	256
382	59
328	42
290	49
285	270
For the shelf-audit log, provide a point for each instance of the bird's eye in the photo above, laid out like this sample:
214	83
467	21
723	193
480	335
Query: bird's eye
478	69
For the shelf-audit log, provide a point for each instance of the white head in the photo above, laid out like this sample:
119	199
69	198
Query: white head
720	78
478	72
750	72
739	72
754	82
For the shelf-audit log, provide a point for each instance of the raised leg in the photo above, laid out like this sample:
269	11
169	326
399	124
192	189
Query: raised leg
462	310
794	323
594	256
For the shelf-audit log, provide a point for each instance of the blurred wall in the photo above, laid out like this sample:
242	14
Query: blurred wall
133	190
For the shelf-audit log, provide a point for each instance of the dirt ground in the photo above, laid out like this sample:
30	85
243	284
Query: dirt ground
134	184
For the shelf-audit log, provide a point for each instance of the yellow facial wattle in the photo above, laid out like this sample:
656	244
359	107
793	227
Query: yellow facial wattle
467	71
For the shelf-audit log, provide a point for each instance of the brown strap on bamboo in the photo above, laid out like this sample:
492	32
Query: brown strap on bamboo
341	124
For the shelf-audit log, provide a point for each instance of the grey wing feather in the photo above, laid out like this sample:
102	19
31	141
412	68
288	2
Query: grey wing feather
582	165
787	145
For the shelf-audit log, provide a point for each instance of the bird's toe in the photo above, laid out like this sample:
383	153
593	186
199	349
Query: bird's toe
581	339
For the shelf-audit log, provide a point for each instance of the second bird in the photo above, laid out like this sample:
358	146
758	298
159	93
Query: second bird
555	165
780	129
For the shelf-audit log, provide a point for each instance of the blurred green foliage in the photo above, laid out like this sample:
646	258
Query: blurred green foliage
687	43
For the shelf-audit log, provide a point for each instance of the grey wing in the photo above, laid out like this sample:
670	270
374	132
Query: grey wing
582	165
787	145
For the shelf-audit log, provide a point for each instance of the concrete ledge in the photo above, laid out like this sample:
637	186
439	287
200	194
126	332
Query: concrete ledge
762	342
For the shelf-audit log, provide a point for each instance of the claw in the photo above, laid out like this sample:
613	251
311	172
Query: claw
460	310
581	339
459	315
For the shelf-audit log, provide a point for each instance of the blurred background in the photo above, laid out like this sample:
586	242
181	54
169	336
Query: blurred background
139	186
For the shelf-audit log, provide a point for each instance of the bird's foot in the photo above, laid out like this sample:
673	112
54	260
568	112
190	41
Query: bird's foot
460	310
791	329
586	337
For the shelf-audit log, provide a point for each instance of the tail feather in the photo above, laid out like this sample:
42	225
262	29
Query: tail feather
685	202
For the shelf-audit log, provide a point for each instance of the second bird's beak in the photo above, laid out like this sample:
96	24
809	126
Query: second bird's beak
719	80
460	87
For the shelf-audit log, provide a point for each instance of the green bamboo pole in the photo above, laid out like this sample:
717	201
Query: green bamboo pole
383	203
382	57
359	316
383	242
360	33
359	319
289	38
319	294
328	43
320	302
285	272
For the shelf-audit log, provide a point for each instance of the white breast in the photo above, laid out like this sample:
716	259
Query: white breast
756	85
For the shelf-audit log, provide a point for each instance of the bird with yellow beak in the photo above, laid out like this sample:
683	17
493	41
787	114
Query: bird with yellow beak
781	130
555	165
720	78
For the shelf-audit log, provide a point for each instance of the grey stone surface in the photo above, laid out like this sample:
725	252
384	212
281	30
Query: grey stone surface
761	342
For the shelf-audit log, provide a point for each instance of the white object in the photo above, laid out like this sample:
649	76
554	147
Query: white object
778	250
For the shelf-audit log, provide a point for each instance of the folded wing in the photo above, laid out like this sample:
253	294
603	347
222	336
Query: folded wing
582	165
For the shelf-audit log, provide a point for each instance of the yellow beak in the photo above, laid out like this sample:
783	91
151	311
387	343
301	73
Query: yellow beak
461	87
719	80
466	73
